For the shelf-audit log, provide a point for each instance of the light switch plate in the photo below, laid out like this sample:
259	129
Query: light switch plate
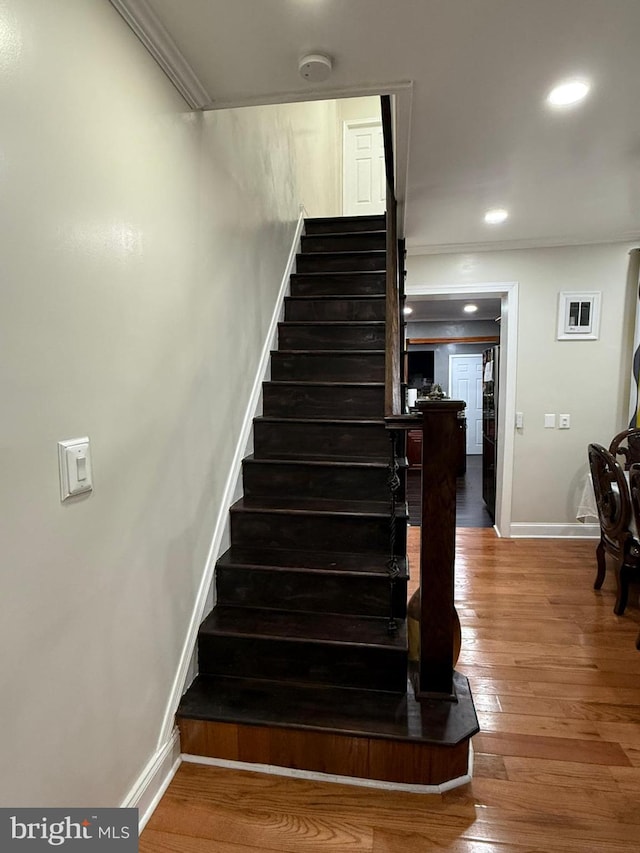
549	421
519	420
74	462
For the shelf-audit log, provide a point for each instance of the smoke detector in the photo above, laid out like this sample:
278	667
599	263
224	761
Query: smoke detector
315	67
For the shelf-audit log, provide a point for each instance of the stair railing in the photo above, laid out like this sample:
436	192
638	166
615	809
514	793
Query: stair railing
439	425
394	329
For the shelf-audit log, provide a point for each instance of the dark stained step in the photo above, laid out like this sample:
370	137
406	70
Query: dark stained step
338	284
366	713
244	578
362	241
328	365
322	524
335	224
308	648
341	261
305	438
330	308
311	479
337	336
323	399
345	562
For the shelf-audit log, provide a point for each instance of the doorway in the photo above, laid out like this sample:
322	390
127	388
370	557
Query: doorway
465	383
507	292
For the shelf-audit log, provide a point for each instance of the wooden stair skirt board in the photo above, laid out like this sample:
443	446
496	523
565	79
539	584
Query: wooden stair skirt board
363	734
297	664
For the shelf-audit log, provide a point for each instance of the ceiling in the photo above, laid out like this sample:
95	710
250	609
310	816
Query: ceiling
471	77
431	309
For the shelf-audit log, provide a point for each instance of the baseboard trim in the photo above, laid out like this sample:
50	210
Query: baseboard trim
315	776
154	780
254	402
534	530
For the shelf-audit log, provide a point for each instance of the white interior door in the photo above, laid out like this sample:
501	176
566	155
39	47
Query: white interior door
465	383
363	183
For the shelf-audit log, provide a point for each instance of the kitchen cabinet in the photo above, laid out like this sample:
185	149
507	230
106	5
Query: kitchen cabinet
414	448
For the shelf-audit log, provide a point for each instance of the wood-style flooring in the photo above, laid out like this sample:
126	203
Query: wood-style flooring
471	510
556	681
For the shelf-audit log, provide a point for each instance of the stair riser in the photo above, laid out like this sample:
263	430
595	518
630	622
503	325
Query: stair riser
362	242
335	225
340	262
348	284
310	401
292	336
320	532
320	441
340	309
314	592
305	662
265	479
324	367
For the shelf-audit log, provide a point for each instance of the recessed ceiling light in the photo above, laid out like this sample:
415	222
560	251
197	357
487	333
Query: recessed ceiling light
407	310
470	308
568	92
496	215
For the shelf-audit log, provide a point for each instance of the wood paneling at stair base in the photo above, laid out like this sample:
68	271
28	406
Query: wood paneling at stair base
342	755
557	763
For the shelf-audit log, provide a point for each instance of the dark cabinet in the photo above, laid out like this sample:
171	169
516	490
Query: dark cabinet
414	448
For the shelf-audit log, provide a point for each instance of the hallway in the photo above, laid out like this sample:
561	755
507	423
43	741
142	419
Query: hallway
470	508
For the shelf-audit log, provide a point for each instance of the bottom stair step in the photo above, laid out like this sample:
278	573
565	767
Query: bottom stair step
370	734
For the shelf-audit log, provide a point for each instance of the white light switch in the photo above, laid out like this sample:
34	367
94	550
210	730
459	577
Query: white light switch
549	421
74	459
564	421
519	420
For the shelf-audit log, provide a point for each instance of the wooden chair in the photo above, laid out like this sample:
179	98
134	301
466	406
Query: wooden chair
634	488
614	513
625	446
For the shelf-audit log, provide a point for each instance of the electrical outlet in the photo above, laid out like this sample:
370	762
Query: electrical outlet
564	421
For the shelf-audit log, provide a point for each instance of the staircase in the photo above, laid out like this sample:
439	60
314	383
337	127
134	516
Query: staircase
303	660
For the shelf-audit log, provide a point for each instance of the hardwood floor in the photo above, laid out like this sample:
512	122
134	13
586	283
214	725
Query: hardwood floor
471	510
556	681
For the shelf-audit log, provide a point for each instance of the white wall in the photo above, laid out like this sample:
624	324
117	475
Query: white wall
142	250
587	379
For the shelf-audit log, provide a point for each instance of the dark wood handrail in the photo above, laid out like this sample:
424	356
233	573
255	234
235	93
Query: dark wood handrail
392	394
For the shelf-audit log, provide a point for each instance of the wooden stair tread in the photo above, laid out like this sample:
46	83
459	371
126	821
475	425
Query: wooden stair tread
339	323
341	421
356	297
348	353
331	383
378	232
335	629
374	218
358	464
357	252
309	561
341	710
318	506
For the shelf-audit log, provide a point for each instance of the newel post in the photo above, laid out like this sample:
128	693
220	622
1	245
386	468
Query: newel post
440	455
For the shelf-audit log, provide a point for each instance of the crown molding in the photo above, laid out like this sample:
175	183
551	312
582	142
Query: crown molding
326	93
145	24
534	243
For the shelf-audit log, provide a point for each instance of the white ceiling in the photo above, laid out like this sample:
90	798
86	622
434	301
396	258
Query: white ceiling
452	310
474	74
